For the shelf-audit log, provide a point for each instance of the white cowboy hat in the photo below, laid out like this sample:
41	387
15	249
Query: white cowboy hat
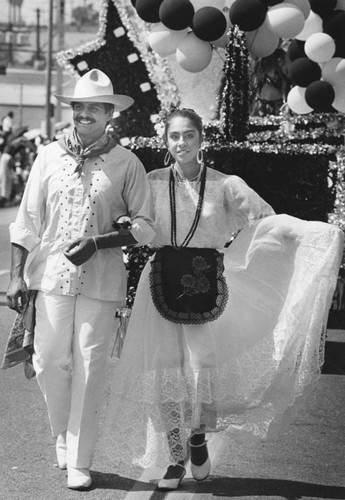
95	86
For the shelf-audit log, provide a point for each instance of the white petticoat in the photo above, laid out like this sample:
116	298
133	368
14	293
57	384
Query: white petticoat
241	373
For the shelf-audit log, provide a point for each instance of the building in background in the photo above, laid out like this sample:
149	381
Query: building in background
24	11
24	43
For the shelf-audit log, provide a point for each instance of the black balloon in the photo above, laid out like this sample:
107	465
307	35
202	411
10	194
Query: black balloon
322	7
248	14
320	96
148	10
270	3
340	46
296	50
335	25
303	71
176	14
209	23
331	16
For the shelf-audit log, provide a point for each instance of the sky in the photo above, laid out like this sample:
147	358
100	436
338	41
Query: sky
29	7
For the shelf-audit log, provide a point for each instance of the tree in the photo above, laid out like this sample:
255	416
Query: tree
85	16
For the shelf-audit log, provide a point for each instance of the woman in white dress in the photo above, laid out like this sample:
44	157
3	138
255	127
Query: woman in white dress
207	352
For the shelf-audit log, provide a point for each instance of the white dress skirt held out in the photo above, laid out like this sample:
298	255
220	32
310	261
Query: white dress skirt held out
240	373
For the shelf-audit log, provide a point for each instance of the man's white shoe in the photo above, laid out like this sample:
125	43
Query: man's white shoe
78	479
61	451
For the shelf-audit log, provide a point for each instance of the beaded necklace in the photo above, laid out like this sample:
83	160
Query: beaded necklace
195	222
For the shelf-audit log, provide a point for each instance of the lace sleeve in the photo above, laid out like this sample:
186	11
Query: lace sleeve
244	204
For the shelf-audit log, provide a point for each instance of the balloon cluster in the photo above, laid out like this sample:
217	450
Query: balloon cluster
317	60
265	22
189	28
192	29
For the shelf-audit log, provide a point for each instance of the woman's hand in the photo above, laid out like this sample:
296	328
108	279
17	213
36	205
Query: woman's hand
80	250
123	224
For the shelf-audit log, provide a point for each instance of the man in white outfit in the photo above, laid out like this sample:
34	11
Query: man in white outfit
7	123
64	246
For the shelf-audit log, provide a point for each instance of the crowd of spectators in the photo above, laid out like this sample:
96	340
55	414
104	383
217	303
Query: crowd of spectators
18	150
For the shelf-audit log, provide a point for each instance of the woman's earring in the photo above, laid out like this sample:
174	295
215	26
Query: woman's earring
167	158
200	156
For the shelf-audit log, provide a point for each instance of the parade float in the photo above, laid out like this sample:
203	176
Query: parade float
295	159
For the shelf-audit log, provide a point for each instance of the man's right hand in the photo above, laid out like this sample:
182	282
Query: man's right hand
17	295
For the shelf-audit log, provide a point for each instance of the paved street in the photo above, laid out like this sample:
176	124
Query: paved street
307	462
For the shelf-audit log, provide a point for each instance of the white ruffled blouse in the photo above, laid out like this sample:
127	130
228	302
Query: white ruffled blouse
229	205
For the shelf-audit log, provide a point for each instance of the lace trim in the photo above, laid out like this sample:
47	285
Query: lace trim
163	436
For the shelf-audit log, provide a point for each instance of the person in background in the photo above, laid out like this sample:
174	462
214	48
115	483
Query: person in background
7	124
64	248
221	338
2	140
272	84
7	174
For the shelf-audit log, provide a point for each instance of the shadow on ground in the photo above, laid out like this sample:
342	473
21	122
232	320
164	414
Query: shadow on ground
109	481
219	486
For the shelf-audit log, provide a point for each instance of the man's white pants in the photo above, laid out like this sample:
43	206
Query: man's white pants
71	345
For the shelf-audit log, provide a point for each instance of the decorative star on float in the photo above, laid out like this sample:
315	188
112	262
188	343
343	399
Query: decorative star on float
120	50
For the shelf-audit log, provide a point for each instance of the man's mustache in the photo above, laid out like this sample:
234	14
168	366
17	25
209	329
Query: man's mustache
81	117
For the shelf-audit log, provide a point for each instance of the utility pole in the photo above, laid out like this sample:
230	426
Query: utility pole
38	31
21	86
10	33
49	69
61	46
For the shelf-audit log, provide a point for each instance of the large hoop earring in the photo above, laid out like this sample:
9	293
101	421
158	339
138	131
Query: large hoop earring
200	156
167	158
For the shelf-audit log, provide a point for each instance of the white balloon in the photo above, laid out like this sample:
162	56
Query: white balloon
303	5
165	41
340	5
339	100
313	24
333	71
285	20
199	4
228	3
319	47
261	42
296	101
193	54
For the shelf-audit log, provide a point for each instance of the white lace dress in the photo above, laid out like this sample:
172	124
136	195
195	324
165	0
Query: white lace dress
240	373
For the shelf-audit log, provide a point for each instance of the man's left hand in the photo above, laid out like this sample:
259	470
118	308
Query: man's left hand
80	251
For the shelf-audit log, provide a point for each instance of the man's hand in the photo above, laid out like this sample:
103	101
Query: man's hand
80	251
17	295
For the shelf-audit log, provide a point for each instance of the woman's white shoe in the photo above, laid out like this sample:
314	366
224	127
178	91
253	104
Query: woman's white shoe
202	471
78	479
173	477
